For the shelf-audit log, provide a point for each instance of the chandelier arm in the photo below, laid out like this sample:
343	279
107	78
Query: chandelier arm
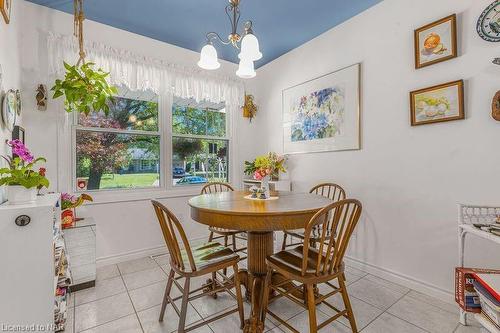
215	36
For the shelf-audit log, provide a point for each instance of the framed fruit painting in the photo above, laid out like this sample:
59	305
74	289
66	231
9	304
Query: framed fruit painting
5	8
436	42
443	102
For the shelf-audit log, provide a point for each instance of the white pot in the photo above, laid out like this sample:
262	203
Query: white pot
17	195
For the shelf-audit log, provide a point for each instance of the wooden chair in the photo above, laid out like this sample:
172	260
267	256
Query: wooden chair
223	233
329	190
310	266
187	263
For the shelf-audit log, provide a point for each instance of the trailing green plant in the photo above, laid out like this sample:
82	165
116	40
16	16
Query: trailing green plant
20	170
85	89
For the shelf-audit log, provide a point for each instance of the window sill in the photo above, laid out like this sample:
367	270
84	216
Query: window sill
117	196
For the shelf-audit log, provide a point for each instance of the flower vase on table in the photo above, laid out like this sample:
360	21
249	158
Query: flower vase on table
262	192
265	168
264	185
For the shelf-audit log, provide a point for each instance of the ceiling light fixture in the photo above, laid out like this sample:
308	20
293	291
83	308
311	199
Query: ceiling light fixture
248	45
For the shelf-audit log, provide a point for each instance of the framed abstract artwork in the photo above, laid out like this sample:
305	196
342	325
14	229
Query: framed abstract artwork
436	42
439	103
323	114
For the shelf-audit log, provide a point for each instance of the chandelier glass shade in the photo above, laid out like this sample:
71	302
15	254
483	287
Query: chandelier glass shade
250	48
248	44
246	69
208	58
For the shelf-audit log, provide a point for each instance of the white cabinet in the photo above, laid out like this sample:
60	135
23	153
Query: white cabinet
28	258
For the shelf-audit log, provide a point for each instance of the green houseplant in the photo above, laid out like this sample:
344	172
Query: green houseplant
21	180
85	89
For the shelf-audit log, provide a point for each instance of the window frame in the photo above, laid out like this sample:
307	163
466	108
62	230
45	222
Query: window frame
76	127
165	133
170	186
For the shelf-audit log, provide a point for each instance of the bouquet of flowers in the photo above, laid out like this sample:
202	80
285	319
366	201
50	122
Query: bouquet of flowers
20	168
266	165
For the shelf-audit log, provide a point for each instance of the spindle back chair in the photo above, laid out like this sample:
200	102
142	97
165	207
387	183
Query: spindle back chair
310	266
329	190
187	262
217	187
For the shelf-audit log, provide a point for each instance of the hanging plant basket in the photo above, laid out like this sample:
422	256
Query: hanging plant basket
85	89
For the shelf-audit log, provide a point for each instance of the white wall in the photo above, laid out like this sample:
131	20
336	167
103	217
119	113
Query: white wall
9	61
127	227
409	179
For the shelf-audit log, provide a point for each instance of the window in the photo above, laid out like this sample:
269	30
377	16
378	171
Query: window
200	143
121	150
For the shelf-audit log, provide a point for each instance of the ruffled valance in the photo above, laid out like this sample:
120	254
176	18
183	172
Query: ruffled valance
143	73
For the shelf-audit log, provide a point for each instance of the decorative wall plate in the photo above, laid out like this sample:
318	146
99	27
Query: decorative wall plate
495	106
488	24
9	109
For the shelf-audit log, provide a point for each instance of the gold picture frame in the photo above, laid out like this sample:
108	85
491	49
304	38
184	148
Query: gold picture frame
5	9
443	102
436	42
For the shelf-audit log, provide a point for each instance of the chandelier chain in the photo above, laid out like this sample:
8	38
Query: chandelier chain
79	17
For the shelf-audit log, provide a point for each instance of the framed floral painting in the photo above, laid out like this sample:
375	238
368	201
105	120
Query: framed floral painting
436	42
323	114
439	103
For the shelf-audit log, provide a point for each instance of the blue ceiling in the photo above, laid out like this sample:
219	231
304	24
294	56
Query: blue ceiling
280	25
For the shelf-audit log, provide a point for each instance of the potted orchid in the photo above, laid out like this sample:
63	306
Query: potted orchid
21	180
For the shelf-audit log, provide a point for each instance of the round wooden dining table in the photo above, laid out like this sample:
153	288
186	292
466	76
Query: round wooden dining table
259	218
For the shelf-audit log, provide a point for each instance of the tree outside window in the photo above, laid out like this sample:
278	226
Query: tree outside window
111	150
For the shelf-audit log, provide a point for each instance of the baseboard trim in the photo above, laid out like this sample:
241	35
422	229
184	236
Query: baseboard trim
402	279
387	274
137	254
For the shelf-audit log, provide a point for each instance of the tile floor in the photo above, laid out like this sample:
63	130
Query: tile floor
127	299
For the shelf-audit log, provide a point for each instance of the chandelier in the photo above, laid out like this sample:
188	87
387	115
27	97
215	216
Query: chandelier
248	45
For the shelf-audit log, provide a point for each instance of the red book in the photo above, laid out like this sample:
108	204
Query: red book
490	282
465	294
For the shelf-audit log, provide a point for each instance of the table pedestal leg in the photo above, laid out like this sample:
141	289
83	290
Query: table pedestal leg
260	245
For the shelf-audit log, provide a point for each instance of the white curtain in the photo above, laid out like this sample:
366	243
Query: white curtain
142	73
